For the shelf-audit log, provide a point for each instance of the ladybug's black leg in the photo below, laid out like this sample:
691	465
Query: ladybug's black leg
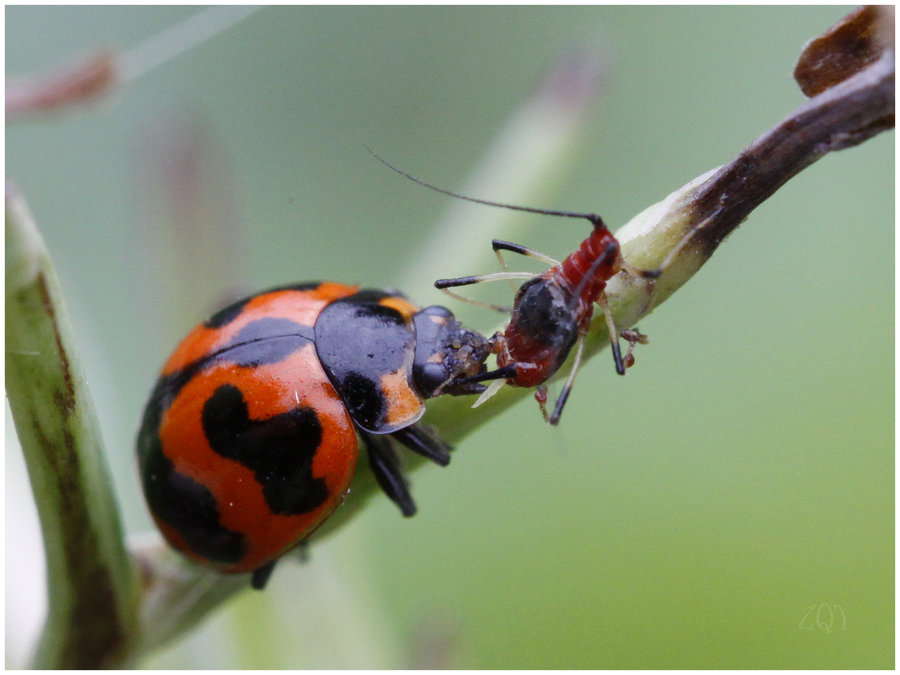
302	551
427	445
261	575
386	467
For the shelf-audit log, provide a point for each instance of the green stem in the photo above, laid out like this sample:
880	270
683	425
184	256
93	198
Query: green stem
92	587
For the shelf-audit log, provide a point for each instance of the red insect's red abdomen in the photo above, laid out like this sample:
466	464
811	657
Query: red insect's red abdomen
599	251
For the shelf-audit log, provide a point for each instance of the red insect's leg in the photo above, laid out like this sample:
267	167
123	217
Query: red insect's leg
633	271
567	387
633	337
540	395
613	334
500	245
446	284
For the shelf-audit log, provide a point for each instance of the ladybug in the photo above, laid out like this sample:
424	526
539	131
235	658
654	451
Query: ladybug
250	437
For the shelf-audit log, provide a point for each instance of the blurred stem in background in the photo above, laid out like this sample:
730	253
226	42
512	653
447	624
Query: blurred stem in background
849	71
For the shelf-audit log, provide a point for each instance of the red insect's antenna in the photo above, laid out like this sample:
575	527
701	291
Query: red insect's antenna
596	220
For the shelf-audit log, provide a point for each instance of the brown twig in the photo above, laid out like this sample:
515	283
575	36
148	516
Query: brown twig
851	110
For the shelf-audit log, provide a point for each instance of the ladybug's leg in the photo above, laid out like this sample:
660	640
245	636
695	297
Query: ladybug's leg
261	575
302	551
386	467
429	446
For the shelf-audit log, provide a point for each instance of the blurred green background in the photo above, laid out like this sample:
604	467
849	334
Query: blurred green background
701	512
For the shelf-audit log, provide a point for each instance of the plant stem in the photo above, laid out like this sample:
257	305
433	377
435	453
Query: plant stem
92	590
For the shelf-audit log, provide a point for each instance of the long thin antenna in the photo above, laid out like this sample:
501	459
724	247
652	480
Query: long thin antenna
596	220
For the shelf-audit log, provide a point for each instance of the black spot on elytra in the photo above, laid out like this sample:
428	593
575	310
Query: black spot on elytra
259	346
260	342
266	341
182	502
228	314
368	296
164	393
279	450
363	399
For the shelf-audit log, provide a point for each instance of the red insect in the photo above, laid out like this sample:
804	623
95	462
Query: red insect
552	311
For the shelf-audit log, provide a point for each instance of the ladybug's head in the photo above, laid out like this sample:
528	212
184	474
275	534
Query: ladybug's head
446	352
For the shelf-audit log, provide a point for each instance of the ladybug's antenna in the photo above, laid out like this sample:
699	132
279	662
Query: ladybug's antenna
596	220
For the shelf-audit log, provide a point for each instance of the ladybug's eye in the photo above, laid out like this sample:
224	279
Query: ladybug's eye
437	311
429	376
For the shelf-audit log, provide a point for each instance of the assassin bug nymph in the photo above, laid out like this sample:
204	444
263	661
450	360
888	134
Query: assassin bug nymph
552	310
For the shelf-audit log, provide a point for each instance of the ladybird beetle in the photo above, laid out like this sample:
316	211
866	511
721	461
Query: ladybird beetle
249	440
